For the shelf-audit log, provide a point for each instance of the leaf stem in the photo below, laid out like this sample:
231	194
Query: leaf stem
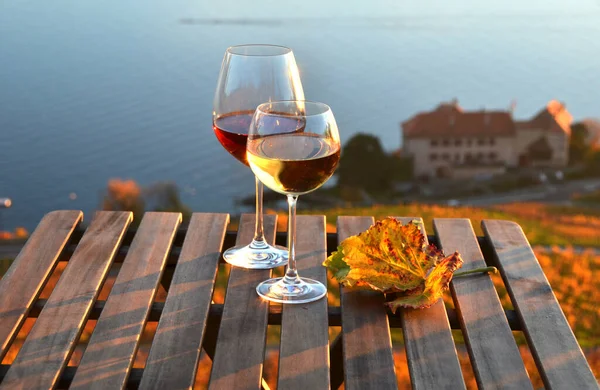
487	270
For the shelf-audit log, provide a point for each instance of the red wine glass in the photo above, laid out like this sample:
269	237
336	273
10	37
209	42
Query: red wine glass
251	75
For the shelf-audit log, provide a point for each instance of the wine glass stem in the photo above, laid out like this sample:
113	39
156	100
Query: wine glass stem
291	273
259	235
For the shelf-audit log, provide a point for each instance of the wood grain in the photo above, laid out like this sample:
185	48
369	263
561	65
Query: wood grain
559	358
52	339
367	344
110	352
304	348
495	357
432	359
30	270
240	351
173	359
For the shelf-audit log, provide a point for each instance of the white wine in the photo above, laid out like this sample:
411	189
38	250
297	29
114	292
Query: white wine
293	164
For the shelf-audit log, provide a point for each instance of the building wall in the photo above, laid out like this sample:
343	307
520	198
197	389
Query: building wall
418	148
445	152
558	141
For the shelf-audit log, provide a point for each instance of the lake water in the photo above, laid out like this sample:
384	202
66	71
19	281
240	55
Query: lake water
93	91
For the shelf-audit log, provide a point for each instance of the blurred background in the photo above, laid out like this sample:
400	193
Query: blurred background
96	91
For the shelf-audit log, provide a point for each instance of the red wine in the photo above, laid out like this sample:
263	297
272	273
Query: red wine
232	132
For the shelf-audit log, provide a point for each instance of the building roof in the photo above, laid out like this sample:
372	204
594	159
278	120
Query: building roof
448	120
554	118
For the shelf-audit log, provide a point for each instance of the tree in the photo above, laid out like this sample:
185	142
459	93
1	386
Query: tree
580	151
164	196
593	163
124	195
365	165
127	195
402	167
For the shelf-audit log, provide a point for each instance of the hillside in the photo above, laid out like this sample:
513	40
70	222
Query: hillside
543	224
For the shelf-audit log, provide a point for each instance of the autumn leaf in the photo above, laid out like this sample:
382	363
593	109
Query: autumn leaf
433	287
394	258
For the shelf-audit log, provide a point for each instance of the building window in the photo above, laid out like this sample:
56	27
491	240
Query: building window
480	142
445	157
479	156
468	157
433	157
433	142
492	141
493	156
458	142
445	142
469	142
456	157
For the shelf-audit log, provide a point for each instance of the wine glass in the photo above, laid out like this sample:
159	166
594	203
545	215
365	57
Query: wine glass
251	75
293	148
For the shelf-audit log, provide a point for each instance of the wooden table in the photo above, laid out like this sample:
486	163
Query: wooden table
233	334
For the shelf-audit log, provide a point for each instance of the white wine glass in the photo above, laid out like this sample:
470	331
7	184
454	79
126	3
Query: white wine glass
251	75
293	148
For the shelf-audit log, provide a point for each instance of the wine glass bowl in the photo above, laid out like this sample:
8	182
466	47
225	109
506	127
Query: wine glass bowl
293	151
249	76
293	148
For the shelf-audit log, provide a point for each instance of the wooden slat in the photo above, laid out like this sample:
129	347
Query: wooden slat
28	273
109	355
559	358
53	337
494	354
367	344
304	349
173	358
432	359
240	351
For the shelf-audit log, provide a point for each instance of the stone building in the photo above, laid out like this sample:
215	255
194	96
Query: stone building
449	142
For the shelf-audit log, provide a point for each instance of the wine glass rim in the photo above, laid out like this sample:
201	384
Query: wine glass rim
325	107
233	50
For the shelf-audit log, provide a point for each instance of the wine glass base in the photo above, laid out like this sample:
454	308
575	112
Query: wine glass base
302	291
256	255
